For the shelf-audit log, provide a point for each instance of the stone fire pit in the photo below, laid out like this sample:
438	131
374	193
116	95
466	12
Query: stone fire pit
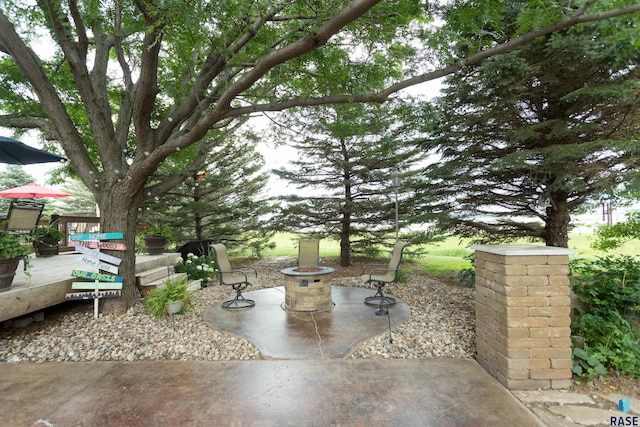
307	288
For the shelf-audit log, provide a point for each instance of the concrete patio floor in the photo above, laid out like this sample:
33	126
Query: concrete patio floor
434	392
281	334
313	383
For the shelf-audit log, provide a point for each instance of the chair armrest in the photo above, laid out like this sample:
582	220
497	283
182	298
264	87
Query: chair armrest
381	269
232	271
247	267
371	265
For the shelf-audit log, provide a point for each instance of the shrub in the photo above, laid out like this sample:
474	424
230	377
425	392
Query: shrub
468	275
586	365
197	268
609	287
12	245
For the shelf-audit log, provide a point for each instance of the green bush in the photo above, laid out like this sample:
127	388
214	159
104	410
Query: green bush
586	365
468	275
197	267
609	288
13	246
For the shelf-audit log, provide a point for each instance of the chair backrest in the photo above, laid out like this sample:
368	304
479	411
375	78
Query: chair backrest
308	253
222	260
23	216
396	257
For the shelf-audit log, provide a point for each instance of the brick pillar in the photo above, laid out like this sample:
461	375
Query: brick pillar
523	314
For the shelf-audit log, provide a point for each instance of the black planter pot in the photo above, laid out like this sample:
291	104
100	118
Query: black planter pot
155	245
46	249
7	272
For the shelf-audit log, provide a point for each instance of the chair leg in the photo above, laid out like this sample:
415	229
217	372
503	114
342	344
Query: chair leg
379	299
239	301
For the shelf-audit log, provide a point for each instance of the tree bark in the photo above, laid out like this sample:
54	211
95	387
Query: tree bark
345	242
118	214
556	230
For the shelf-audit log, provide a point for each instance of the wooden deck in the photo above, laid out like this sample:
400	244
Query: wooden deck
50	279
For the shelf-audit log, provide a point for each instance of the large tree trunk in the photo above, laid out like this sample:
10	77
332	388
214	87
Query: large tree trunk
118	213
345	249
345	227
556	229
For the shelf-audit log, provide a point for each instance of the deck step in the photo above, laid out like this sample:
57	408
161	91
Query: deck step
145	277
149	262
148	286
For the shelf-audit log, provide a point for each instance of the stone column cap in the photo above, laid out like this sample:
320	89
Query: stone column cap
523	249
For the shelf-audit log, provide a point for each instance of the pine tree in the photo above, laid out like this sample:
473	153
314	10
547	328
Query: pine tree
224	202
347	157
12	176
531	136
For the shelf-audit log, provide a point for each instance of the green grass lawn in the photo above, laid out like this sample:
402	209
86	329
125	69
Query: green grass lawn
442	258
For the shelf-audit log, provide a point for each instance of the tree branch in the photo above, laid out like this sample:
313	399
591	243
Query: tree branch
30	66
196	102
100	120
147	87
312	41
578	18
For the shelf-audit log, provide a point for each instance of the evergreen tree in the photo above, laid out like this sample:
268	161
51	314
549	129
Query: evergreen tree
82	202
12	176
528	137
223	202
347	157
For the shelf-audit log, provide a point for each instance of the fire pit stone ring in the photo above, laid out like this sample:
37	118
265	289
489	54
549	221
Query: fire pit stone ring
307	289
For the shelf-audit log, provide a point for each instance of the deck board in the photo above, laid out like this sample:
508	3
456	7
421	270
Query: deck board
50	279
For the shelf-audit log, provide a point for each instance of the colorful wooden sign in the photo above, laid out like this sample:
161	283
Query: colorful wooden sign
98	264
96	236
96	285
92	295
103	285
101	277
97	254
110	246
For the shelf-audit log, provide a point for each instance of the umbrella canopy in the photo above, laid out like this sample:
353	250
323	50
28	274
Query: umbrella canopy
17	153
32	191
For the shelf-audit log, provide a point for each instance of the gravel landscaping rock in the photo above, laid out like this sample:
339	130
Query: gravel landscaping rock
441	323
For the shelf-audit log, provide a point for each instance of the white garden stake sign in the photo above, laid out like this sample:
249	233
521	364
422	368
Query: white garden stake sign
104	285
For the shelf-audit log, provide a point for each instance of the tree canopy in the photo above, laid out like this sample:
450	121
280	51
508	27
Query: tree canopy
347	156
12	176
224	201
123	84
529	137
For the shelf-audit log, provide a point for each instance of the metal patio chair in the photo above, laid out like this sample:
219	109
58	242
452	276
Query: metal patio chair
381	274
23	216
238	278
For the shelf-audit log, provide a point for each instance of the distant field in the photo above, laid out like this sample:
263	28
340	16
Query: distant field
443	258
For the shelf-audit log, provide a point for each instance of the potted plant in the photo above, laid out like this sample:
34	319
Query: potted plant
156	238
13	248
172	298
46	240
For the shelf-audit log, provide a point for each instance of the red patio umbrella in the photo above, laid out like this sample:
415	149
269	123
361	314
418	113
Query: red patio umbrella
32	191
